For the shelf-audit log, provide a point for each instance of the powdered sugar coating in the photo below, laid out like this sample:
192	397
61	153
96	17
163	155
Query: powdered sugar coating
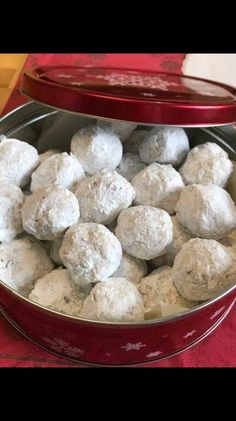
48	212
159	186
11	202
131	268
144	231
22	261
57	291
130	165
206	211
97	148
205	164
167	145
90	252
203	268
122	129
54	247
103	196
116	300
17	161
157	290
132	144
45	155
231	184
60	169
180	236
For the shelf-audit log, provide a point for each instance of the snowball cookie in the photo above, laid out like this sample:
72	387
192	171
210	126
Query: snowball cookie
158	291
134	141
60	169
167	145
130	165
205	164
180	236
17	161
57	291
131	268
54	247
48	212
203	268
144	232
159	186
122	129
97	148
45	155
90	252
11	202
231	185
206	211
103	196
116	300
23	261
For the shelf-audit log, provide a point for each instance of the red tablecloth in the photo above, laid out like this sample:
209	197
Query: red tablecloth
219	349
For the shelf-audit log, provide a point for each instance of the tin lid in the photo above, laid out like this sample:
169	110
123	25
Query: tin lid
139	96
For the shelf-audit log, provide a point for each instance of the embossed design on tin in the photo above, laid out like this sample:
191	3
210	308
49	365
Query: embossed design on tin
152	82
153	354
133	347
217	312
148	94
61	346
189	334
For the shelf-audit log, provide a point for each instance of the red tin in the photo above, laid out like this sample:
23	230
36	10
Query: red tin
106	343
173	100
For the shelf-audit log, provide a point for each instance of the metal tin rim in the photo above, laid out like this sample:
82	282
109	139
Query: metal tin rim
174	354
164	320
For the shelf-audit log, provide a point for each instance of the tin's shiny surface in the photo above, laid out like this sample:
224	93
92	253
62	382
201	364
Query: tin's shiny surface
102	342
107	343
140	96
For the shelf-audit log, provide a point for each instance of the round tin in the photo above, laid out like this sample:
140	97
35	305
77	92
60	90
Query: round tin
103	343
139	96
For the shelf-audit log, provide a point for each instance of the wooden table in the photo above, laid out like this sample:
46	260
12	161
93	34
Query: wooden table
10	68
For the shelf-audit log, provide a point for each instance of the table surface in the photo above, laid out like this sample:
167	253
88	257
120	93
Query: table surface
217	350
10	68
